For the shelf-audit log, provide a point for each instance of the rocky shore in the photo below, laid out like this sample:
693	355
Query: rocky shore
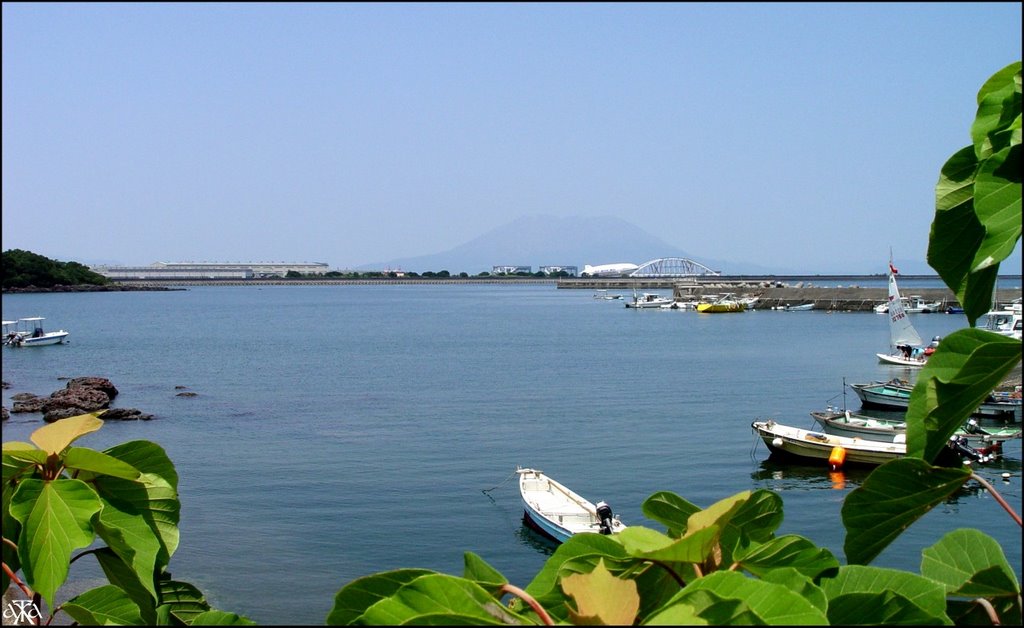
81	395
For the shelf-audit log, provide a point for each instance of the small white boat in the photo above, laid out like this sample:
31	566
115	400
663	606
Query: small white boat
914	304
803	307
31	334
604	294
558	512
818	446
648	300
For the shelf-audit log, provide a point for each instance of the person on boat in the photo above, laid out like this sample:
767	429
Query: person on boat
906	349
930	349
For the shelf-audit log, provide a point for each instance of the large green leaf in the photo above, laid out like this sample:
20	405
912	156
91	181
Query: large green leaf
434	594
971	564
181	601
221	618
892	497
998	103
650	544
360	594
729	598
149	503
126	578
55	520
978	198
82	458
872	595
477	570
578	545
967	365
800	584
103	606
55	437
133	537
790	551
997	203
669	509
147	457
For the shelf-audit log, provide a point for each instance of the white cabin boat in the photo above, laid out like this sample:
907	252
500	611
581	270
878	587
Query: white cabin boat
559	513
30	333
648	300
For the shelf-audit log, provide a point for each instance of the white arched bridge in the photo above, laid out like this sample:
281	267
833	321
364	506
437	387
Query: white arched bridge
673	267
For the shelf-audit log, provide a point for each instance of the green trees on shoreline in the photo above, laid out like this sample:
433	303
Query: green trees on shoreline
22	269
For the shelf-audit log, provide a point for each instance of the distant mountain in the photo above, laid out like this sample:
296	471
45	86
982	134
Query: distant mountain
556	241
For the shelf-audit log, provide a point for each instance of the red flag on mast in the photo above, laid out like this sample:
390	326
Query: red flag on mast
893	269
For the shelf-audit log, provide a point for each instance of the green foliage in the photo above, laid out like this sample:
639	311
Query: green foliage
978	197
22	269
59	498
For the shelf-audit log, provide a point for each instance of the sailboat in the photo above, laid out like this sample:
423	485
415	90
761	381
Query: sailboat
905	345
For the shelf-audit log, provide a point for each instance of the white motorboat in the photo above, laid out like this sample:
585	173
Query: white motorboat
648	300
559	513
1005	322
30	333
987	440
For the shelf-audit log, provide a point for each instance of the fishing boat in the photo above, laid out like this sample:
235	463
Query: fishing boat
605	295
905	345
1005	322
557	512
837	451
648	300
987	440
725	303
30	333
895	394
803	307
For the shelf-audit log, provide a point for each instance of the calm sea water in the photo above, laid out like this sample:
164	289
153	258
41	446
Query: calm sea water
340	431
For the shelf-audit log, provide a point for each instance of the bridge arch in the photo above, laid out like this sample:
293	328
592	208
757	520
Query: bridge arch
673	267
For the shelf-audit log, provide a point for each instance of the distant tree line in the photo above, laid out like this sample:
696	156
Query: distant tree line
22	269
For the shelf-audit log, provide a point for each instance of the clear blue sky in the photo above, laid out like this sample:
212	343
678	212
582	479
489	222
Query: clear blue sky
810	135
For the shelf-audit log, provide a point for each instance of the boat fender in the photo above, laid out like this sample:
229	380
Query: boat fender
604	513
837	457
777	441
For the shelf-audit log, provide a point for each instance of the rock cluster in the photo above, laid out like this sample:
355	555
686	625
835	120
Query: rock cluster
81	395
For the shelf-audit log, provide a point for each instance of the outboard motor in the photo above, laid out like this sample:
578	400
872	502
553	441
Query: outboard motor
604	513
960	446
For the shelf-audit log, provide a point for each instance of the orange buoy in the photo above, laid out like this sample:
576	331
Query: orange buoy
837	457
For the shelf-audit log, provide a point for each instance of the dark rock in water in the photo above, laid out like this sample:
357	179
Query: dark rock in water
6	384
187	394
180	387
31	403
23	396
86	399
98	383
57	414
125	414
5	414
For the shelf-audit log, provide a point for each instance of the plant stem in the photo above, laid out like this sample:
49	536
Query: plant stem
526	597
997	496
16	580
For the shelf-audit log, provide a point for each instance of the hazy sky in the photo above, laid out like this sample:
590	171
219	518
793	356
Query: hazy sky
807	134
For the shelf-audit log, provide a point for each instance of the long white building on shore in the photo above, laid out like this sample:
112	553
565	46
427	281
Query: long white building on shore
209	270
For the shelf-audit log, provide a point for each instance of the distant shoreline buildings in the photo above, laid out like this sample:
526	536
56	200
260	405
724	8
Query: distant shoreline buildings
210	270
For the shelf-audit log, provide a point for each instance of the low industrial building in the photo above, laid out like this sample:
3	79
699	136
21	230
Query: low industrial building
208	270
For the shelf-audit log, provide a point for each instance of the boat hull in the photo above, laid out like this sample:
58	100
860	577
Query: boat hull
52	338
818	447
900	360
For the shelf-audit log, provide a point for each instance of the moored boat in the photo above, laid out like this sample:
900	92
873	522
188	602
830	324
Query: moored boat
33	335
723	304
851	425
557	512
895	394
905	345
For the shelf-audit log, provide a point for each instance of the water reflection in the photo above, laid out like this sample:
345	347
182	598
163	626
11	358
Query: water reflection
1004	474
